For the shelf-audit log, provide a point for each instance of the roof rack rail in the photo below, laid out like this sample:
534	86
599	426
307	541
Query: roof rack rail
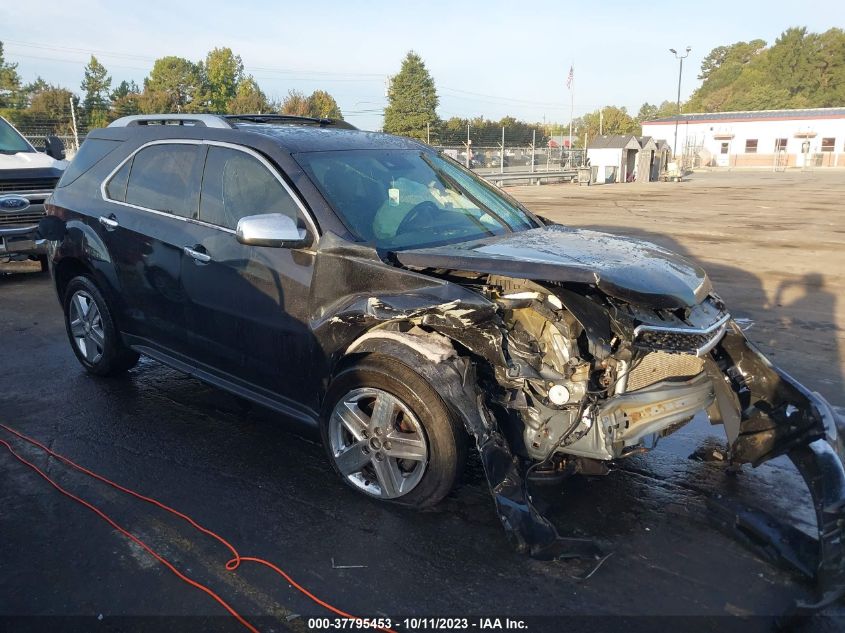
289	118
200	120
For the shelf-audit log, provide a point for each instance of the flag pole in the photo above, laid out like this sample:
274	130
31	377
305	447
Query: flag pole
571	100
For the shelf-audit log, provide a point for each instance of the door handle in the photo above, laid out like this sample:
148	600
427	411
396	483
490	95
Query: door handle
199	256
109	222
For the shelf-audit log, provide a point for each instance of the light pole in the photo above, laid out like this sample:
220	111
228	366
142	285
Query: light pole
681	59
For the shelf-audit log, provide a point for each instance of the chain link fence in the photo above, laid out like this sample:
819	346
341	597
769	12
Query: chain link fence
516	159
485	157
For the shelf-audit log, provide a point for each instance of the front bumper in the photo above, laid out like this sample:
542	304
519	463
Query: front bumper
21	240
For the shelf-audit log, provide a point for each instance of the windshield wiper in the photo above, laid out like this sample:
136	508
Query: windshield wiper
457	187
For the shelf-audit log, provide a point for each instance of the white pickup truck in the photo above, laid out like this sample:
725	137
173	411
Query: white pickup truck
27	178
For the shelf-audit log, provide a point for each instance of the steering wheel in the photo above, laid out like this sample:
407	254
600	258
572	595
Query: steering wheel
422	215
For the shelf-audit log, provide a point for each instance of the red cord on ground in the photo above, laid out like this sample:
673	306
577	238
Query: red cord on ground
231	565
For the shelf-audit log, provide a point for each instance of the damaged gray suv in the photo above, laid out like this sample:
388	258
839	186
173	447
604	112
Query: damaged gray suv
372	286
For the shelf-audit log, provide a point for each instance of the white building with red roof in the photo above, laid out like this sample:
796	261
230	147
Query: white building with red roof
767	138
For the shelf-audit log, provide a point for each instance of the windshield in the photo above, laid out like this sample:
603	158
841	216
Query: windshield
400	199
10	141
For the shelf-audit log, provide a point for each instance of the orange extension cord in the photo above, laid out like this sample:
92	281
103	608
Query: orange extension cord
231	565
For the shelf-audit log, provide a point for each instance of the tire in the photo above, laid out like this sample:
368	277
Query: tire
425	474
93	336
45	266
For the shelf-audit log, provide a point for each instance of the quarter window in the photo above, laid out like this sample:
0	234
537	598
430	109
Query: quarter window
161	179
751	146
828	144
236	184
116	187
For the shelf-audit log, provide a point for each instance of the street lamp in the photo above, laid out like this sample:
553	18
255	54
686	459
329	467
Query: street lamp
681	59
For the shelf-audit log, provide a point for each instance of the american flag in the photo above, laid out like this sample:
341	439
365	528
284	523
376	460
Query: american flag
570	77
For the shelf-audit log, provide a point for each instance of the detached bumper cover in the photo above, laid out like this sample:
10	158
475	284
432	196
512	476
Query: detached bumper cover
779	416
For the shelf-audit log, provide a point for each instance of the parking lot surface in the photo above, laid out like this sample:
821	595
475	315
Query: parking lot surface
773	244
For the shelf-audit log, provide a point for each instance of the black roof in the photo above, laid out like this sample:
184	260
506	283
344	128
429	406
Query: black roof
611	141
299	138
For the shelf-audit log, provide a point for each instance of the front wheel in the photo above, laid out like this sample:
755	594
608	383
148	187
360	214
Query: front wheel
389	434
90	327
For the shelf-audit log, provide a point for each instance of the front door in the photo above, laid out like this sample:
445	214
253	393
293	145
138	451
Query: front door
247	317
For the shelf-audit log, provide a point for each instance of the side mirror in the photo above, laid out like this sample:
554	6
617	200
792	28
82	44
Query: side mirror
271	229
54	147
51	228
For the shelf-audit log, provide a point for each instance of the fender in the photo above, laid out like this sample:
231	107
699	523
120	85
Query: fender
453	377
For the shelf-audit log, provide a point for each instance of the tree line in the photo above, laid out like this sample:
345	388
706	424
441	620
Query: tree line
216	84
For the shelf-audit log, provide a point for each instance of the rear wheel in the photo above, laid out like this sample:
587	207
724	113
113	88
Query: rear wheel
390	436
92	332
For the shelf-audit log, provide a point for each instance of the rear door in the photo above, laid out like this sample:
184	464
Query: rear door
247	305
153	194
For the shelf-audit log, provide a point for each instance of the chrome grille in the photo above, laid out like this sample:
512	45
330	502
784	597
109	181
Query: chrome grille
680	340
24	185
659	366
26	217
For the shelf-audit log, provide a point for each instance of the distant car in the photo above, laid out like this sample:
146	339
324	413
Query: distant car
27	178
372	287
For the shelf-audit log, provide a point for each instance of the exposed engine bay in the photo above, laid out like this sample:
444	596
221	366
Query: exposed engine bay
601	397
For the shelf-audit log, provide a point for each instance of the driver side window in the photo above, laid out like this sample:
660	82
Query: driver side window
236	184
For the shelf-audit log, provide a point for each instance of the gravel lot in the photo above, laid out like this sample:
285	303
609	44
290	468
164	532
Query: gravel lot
773	244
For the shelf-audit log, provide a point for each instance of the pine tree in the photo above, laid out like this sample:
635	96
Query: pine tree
96	86
412	101
10	82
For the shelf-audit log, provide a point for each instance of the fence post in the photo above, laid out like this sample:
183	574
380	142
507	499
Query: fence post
73	120
502	153
468	146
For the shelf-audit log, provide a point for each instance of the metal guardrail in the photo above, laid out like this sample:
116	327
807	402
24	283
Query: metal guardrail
531	176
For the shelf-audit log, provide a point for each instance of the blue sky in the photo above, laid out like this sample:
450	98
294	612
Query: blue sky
492	58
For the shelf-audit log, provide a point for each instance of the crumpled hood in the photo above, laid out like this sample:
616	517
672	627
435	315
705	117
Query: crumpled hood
629	269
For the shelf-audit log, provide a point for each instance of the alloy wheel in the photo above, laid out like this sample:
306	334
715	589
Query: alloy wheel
377	442
86	326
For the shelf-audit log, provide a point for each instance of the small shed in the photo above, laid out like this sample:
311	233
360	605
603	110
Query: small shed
613	157
646	159
661	162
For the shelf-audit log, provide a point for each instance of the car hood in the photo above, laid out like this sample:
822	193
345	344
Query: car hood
633	270
29	160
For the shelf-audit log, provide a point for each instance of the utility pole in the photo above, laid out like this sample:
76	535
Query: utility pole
428	132
601	122
681	59
533	147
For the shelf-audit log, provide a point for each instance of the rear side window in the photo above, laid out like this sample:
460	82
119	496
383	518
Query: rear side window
162	179
92	151
116	187
236	184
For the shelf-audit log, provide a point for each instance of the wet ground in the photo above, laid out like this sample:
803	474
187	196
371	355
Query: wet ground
264	484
